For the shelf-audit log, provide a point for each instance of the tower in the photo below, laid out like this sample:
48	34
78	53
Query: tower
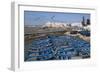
83	21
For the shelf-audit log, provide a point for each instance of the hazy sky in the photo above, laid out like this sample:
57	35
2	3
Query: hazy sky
37	17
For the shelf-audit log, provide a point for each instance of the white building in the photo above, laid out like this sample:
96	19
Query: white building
87	27
55	24
77	24
61	24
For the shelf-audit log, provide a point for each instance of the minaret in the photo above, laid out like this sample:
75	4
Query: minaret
53	19
83	21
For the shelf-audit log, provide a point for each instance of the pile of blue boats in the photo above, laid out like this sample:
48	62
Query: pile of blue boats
86	33
56	48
